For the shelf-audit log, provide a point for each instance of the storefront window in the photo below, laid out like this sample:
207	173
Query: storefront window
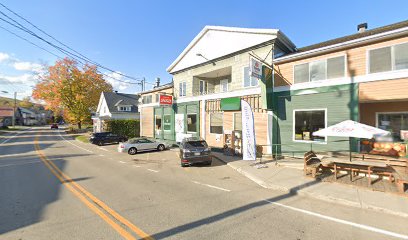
191	122
309	121
393	122
216	123
237	121
158	125
167	122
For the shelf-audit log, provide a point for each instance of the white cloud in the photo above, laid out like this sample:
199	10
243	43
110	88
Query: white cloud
28	66
4	57
25	79
113	78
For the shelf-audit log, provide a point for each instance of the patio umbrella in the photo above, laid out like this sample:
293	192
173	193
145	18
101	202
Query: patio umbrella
350	129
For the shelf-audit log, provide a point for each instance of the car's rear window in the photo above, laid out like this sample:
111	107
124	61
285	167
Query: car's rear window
196	144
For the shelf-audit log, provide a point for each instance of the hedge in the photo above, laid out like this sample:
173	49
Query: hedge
128	128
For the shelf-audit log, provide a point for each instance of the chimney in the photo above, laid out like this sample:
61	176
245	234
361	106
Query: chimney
157	82
362	27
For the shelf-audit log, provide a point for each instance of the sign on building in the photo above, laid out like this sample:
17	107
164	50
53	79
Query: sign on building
166	100
255	67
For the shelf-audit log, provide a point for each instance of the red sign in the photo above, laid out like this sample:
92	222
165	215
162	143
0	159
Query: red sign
166	100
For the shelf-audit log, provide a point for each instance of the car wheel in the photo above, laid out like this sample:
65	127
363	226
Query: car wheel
132	151
161	147
100	143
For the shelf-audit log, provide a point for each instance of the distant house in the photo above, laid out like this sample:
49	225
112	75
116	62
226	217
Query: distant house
6	116
113	106
26	117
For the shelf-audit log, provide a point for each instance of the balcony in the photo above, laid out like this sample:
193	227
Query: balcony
216	81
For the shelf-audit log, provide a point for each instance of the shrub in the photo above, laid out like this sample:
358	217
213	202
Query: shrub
128	128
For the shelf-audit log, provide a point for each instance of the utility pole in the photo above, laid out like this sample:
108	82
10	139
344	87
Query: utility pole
14	109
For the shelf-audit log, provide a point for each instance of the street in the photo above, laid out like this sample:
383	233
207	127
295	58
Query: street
54	187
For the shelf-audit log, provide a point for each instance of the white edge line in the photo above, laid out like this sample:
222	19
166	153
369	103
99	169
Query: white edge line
136	166
345	222
17	164
59	133
122	162
151	170
13	136
211	186
103	149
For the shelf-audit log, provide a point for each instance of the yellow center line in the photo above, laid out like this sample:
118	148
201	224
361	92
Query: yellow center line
79	192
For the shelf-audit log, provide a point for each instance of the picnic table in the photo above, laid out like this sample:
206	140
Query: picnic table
354	166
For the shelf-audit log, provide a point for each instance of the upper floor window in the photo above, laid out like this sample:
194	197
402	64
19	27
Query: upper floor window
329	68
249	81
147	99
203	87
224	85
388	58
125	108
182	89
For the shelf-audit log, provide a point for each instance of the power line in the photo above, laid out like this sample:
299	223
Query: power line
86	59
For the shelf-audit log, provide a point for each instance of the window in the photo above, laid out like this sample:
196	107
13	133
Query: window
249	81
393	122
216	123
306	122
158	121
224	85
388	58
157	97
237	121
167	122
203	87
182	89
147	99
191	122
320	70
125	108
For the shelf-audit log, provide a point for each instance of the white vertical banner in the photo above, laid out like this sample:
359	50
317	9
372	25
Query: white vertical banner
179	126
248	132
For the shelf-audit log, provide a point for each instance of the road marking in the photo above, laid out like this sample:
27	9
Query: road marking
122	162
13	136
211	186
103	149
136	166
101	155
59	133
16	164
81	193
151	170
345	222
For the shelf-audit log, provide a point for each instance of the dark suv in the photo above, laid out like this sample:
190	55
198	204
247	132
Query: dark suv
194	150
106	137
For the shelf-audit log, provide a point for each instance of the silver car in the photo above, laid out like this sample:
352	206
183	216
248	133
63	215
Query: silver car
135	145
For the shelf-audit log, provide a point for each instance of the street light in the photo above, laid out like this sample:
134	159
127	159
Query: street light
14	107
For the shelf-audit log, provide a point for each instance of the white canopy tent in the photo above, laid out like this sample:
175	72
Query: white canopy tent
351	129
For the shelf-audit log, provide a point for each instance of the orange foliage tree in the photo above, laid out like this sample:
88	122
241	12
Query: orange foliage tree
72	90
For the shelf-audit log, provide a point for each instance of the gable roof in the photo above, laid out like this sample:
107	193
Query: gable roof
215	41
349	38
114	99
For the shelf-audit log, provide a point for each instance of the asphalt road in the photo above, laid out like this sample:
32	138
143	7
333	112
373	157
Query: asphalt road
53	187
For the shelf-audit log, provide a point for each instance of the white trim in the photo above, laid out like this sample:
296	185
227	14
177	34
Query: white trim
243	92
294	122
203	120
222	82
343	44
155	104
390	75
250	78
392	46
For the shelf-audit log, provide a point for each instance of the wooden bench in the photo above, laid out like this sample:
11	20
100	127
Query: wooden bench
312	164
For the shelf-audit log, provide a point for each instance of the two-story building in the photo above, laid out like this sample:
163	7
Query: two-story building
362	77
211	75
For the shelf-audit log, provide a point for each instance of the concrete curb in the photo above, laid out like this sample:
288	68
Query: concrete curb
305	193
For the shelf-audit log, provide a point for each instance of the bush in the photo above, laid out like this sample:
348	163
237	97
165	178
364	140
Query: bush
128	128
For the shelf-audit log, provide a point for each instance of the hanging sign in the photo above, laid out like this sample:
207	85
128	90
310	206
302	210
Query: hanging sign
166	100
248	132
255	67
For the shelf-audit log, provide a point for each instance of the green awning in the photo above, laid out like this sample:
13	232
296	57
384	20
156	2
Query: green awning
231	104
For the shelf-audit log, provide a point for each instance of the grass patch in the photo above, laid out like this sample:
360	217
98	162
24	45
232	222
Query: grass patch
82	138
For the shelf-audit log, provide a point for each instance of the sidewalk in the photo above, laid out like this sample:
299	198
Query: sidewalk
289	179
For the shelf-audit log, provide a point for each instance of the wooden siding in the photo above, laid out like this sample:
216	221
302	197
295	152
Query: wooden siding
147	122
255	101
355	61
368	110
387	90
337	104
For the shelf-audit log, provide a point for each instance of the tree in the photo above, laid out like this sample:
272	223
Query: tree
75	92
26	103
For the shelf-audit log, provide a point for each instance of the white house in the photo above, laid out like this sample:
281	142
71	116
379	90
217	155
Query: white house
114	105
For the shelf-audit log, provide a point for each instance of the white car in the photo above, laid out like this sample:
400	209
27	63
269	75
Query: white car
135	145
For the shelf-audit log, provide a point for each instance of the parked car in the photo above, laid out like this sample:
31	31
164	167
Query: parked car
194	150
54	126
135	145
106	137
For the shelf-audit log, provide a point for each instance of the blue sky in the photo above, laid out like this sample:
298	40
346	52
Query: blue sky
142	38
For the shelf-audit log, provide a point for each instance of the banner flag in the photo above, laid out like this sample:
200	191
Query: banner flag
248	132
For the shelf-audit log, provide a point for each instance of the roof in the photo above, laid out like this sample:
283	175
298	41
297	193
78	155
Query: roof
356	36
159	88
216	41
114	99
25	110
